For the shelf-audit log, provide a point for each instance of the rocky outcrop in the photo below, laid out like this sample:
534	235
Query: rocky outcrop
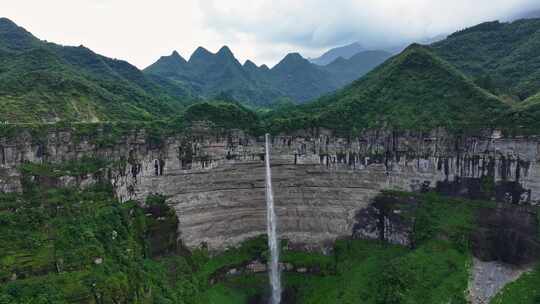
215	180
488	278
507	235
389	219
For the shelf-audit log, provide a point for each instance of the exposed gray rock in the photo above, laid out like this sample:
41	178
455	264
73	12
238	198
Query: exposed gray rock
488	278
215	180
389	218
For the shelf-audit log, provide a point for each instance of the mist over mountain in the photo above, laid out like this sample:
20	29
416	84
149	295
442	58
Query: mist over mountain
530	14
345	52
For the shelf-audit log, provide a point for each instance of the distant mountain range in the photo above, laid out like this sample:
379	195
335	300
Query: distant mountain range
483	76
294	77
345	52
415	90
352	49
486	76
45	82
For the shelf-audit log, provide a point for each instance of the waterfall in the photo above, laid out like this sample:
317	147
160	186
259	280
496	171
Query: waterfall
273	243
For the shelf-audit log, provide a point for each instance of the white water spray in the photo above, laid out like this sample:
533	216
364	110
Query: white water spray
273	243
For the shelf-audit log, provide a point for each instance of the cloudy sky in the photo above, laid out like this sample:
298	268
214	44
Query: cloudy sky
141	31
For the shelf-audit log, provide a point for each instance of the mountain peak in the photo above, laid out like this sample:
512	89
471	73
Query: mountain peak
200	53
292	62
225	51
14	37
249	64
175	56
415	81
168	65
293	58
5	22
346	52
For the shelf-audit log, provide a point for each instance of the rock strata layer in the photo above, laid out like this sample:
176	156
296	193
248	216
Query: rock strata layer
215	180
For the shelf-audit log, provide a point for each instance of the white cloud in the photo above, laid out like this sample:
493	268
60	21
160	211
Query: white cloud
263	30
314	24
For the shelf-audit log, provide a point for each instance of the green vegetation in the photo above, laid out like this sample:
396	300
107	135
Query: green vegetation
221	115
45	82
415	90
435	270
80	167
523	291
420	89
64	245
224	115
502	57
208	75
525	115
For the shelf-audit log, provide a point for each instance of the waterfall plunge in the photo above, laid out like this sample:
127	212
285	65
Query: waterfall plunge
271	224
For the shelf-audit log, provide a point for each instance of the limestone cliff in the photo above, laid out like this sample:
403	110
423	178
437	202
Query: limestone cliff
215	180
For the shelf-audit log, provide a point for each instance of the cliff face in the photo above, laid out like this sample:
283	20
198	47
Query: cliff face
215	181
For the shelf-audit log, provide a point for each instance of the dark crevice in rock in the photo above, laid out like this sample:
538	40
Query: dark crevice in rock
507	234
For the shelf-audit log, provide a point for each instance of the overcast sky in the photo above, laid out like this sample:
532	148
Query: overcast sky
141	31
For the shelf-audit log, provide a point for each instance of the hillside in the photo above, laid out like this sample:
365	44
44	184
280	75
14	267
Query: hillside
415	90
525	115
501	57
294	77
346	71
45	82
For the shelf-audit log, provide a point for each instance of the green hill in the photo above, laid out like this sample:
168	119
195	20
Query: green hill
415	90
45	82
502	57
